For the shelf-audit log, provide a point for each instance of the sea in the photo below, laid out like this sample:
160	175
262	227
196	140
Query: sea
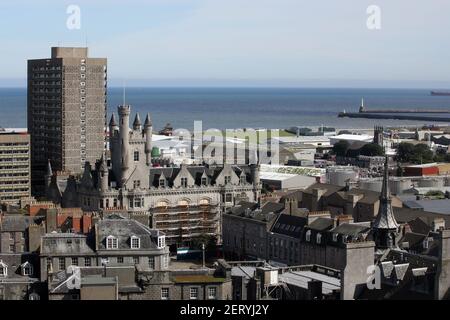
232	108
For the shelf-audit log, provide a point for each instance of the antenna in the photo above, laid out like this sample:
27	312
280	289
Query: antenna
123	92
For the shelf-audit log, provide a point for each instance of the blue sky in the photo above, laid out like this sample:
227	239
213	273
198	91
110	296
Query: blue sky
239	42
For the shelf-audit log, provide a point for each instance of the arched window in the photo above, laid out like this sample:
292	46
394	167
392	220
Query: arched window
162	204
135	242
111	242
308	236
183	202
203	202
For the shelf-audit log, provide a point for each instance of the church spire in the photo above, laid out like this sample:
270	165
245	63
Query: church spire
385	226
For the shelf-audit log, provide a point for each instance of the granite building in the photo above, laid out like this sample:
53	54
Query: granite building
66	111
14	167
183	201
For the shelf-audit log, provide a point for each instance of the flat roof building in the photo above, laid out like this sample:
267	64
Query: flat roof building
15	182
66	111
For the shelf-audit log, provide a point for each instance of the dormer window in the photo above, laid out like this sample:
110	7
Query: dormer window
243	179
161	242
111	242
204	181
135	242
3	269
308	236
227	179
318	238
184	182
162	183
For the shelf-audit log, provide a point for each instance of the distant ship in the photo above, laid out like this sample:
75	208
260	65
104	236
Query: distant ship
440	93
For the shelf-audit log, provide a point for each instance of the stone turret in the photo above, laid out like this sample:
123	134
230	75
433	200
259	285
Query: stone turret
124	118
137	123
148	139
103	176
113	125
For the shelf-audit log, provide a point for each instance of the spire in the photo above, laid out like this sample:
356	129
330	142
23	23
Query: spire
103	166
148	121
112	122
385	218
49	169
137	122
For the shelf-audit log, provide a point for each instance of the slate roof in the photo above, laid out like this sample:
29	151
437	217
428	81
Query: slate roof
66	244
369	197
350	229
289	225
14	261
330	188
321	224
414	240
196	171
16	222
419	226
406	215
123	230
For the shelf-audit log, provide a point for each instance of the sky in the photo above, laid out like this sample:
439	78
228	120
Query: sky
320	43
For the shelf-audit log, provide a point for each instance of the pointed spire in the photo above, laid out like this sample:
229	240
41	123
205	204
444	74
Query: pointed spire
112	122
148	121
137	122
49	169
385	218
103	166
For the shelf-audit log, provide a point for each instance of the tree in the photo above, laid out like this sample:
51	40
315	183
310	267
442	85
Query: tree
421	154
209	241
340	148
404	152
372	150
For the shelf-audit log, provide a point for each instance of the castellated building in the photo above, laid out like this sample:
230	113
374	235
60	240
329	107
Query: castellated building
183	201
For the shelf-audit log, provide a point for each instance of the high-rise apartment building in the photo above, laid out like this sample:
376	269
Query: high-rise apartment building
14	166
66	111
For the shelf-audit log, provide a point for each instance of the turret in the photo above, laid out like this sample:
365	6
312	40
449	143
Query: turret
137	123
148	139
124	118
112	125
103	175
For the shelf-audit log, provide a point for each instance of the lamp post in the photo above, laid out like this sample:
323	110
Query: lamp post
203	252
